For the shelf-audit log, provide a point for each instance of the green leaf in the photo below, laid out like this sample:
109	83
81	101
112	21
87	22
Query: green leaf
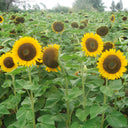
73	93
76	125
106	90
40	125
17	71
116	84
96	109
12	101
3	110
82	114
117	120
7	83
46	119
24	113
92	123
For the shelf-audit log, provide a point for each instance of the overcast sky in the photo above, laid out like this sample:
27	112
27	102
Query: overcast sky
52	3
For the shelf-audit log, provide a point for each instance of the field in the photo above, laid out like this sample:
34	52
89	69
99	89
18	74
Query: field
66	85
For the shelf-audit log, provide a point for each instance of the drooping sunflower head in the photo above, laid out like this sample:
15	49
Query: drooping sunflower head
26	51
102	31
112	64
124	18
74	25
85	22
108	46
7	62
50	58
58	27
112	18
1	19
92	44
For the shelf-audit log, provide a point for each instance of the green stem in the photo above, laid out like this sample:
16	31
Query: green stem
13	83
67	103
14	88
115	103
82	75
32	98
105	100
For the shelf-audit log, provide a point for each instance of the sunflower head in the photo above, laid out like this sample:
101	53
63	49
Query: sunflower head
84	22
112	64
12	17
92	44
13	32
81	27
66	21
50	57
1	19
112	18
74	25
124	18
7	62
26	51
108	46
58	27
102	31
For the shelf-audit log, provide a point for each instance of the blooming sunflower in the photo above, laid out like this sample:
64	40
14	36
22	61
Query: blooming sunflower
7	62
58	27
108	46
1	19
92	44
50	58
26	51
112	64
112	18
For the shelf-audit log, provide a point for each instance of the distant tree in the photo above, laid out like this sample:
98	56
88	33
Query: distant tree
5	4
98	5
88	5
113	6
119	5
60	8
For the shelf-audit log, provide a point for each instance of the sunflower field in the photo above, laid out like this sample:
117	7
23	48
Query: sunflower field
64	70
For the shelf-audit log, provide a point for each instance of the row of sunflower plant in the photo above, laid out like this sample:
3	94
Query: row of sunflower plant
58	97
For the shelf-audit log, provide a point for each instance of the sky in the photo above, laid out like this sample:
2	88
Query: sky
51	3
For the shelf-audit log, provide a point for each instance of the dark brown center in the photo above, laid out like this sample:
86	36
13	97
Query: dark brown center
112	64
27	51
0	19
8	62
112	18
91	44
58	26
50	57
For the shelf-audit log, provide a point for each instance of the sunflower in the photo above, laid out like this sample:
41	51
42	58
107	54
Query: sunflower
1	19
58	27
124	18
74	25
50	58
102	31
7	62
92	44
108	46
112	64
112	18
26	51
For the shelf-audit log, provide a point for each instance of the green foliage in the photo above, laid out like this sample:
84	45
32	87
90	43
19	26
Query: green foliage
59	97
